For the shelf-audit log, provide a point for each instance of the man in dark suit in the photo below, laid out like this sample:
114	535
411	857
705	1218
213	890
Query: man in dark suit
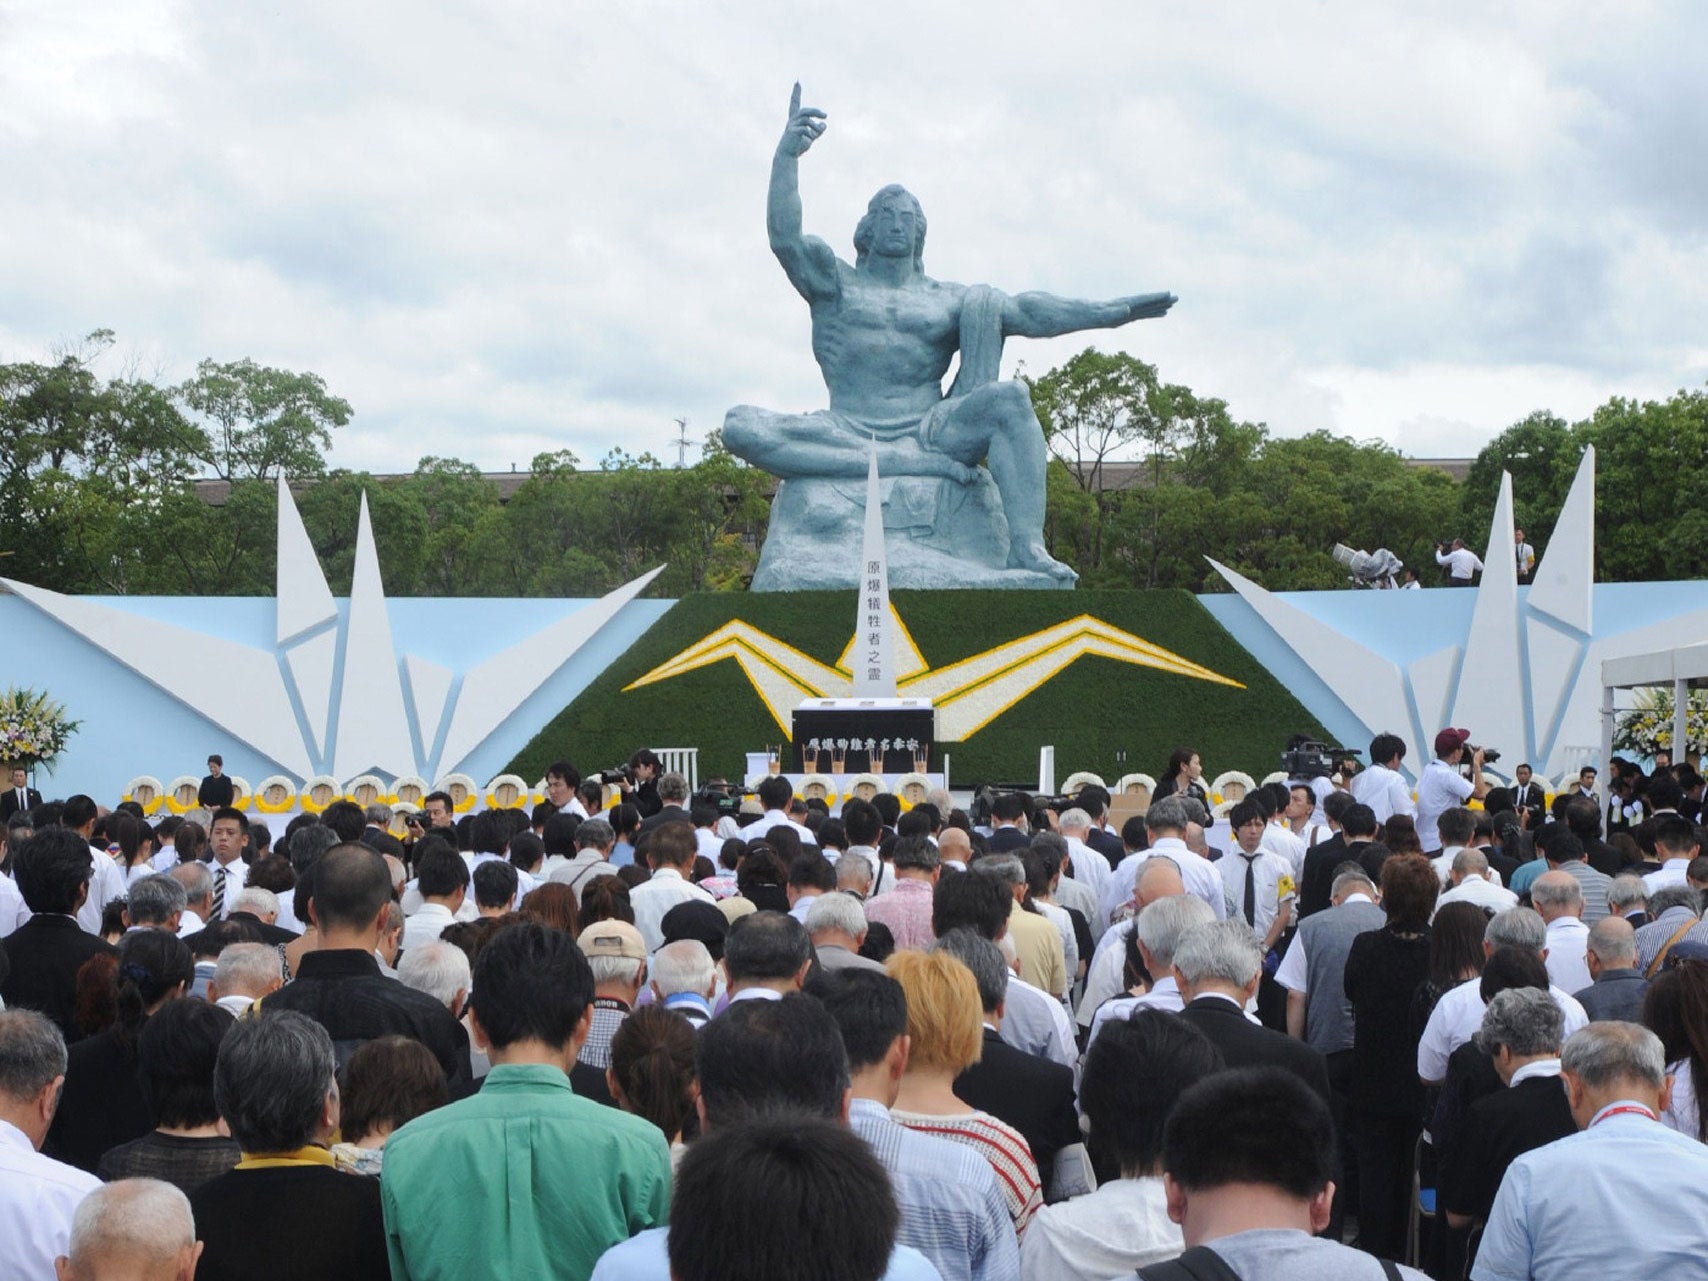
1527	798
673	803
1522	1028
1007	813
216	791
1316	880
1031	1093
1094	800
1218	967
53	870
20	797
1618	987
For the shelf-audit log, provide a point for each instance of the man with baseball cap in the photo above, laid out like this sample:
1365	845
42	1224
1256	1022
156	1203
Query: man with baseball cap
616	954
1442	786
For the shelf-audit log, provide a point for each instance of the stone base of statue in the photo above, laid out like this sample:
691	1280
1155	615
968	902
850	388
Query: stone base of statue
940	534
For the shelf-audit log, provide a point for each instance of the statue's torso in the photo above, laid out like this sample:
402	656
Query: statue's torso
884	350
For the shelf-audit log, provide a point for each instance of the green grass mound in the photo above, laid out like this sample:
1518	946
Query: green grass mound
1091	711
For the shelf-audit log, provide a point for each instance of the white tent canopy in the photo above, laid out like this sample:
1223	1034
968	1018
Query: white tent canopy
1681	668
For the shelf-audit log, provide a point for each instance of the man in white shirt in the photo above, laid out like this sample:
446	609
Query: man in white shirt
672	849
1259	883
1558	899
562	782
1089	867
1675	846
594	840
1382	787
38	1195
244	973
1459	1014
1524	556
1468	882
442	880
1278	836
1442	786
1166	822
1459	561
775	793
227	834
106	879
1159	928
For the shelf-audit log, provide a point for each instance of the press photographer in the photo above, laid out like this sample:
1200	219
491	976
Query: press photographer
1446	782
638	781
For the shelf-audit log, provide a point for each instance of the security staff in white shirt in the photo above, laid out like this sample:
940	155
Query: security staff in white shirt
1442	786
1260	886
1459	561
1382	787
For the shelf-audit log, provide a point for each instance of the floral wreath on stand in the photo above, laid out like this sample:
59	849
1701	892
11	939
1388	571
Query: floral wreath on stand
145	783
34	729
174	802
276	807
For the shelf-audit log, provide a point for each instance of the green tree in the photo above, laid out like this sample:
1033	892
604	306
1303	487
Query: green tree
261	421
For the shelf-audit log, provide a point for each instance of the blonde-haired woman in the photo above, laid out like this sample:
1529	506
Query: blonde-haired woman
945	1028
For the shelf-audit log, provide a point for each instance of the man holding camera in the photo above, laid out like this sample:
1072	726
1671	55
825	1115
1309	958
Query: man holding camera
1443	784
1459	561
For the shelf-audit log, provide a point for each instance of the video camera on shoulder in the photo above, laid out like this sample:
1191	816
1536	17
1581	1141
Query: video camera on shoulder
726	798
1306	758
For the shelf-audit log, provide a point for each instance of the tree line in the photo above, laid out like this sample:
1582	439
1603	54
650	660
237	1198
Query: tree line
98	492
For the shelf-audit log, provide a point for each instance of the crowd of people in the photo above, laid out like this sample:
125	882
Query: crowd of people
1453	1030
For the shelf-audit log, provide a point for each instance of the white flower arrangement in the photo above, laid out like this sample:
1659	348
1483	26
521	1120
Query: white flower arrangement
34	729
1647	727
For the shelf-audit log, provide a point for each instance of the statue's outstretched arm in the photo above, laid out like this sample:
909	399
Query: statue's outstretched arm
807	260
1040	315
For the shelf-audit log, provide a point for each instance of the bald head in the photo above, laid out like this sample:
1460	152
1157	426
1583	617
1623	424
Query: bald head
1157	878
1613	943
132	1230
953	844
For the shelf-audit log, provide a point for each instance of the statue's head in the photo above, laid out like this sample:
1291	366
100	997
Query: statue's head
894	227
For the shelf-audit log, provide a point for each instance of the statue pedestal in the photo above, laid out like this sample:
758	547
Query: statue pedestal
939	533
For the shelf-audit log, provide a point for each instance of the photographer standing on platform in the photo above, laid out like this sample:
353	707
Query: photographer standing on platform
1459	561
1443	784
638	781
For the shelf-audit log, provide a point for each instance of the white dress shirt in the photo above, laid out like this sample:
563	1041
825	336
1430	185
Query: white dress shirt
1089	867
651	899
1273	878
1440	788
13	912
776	818
1164	995
38	1197
236	877
709	844
1485	894
1385	791
1458	1016
1567	960
1671	873
1460	563
1280	839
106	883
1198	873
429	921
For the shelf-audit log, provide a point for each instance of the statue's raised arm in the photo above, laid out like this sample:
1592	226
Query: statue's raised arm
807	260
1040	315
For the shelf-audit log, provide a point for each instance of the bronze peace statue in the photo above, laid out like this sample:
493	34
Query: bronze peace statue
884	334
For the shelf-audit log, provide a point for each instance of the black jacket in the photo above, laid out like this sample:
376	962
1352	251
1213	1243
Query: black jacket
1317	879
344	991
1033	1094
9	802
45	953
1247	1044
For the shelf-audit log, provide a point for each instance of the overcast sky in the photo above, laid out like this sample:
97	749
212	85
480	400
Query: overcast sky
502	228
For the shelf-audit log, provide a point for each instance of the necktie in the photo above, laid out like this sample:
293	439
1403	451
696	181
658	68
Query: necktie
1250	889
219	894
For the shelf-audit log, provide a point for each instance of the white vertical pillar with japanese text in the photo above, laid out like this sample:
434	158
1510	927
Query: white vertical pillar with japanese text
873	656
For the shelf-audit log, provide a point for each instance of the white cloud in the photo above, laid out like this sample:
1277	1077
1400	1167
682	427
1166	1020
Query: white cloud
498	230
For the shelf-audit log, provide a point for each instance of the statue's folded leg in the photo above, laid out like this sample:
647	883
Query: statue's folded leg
996	422
828	444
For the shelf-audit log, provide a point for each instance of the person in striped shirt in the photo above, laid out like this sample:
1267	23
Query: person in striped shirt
946	1036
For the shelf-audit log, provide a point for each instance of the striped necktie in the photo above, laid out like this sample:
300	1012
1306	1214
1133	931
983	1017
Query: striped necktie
219	894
